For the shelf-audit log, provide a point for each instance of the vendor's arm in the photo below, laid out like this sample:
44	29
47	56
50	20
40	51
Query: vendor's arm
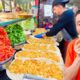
58	26
63	20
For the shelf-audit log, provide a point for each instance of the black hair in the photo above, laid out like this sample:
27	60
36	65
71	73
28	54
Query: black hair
78	12
55	4
60	2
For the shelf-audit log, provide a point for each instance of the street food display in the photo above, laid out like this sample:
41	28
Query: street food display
39	68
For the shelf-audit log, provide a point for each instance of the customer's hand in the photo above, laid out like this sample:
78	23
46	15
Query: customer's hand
77	60
77	46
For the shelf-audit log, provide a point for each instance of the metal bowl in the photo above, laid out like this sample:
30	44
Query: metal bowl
19	46
4	64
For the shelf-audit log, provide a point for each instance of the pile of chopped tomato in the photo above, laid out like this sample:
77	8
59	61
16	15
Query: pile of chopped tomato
6	50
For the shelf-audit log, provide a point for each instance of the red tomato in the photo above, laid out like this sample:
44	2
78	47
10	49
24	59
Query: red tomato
6	50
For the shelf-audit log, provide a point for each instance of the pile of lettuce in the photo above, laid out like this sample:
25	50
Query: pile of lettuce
27	24
16	34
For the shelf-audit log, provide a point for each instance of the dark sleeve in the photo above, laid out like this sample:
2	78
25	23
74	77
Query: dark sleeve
58	26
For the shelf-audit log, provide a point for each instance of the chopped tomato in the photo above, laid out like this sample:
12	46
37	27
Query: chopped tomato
6	50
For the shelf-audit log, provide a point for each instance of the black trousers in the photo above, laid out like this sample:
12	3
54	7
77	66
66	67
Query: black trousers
63	48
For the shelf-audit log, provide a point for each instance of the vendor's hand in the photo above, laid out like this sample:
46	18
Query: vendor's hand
39	35
77	46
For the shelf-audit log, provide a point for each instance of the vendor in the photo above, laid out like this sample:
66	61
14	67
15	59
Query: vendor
72	71
66	22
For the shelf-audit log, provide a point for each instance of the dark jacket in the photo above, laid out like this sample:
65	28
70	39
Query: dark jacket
66	21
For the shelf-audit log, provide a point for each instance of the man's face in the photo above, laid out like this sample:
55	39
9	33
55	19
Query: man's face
78	23
75	9
57	10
